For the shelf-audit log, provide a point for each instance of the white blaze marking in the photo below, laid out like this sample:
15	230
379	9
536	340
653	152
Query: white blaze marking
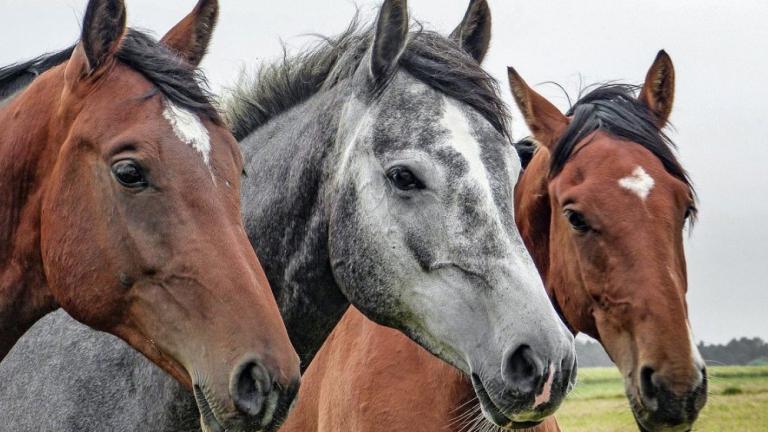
188	127
461	137
639	183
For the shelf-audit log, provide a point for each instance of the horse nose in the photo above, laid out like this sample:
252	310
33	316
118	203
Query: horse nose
524	371
257	395
669	407
649	389
250	388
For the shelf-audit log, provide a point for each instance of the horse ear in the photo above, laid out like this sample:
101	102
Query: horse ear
103	29
390	39
544	120
192	35
474	32
658	92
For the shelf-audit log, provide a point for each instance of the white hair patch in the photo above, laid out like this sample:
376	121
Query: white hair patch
188	128
639	183
463	142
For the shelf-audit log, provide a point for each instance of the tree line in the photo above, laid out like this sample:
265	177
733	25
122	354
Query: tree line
738	351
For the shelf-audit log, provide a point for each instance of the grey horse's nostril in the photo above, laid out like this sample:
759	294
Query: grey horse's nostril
250	386
523	370
569	368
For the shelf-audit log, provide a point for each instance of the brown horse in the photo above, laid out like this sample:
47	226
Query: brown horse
120	187
602	207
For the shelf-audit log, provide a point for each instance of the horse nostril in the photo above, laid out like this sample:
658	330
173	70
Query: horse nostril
249	387
648	389
523	371
569	368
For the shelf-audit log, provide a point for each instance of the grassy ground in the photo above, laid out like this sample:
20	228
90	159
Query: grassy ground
738	401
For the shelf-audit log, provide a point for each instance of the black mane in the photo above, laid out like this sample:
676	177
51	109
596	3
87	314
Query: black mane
18	75
431	58
525	149
615	109
181	83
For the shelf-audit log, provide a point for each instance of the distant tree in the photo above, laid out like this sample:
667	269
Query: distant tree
591	354
741	351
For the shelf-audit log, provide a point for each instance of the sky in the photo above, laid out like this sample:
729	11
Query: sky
721	62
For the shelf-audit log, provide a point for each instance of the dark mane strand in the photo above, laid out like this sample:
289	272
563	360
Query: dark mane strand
430	57
615	109
181	83
526	149
17	76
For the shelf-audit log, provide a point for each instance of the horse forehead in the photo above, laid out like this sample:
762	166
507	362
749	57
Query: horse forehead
621	166
639	183
460	138
468	136
189	129
616	177
484	187
125	87
414	116
408	117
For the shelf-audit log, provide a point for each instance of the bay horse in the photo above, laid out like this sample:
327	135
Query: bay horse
120	205
379	173
602	207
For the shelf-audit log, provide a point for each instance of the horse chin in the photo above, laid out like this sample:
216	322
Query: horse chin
208	419
277	407
644	427
641	415
493	413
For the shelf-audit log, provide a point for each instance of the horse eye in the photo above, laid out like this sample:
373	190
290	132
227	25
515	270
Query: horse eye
404	179
129	173
577	221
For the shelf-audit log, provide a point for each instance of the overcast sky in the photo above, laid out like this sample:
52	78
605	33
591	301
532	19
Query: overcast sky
720	56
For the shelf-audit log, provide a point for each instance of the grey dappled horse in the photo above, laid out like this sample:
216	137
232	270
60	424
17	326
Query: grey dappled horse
378	173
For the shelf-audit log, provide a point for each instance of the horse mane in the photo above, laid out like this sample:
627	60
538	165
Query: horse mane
178	81
433	59
615	109
525	149
16	76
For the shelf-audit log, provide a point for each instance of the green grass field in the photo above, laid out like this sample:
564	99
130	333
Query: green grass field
738	402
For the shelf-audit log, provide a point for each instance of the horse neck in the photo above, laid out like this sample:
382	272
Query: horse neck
27	156
534	215
533	212
288	164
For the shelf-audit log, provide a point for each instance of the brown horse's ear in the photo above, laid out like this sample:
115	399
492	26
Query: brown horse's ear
544	120
474	32
103	29
389	40
658	92
192	35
